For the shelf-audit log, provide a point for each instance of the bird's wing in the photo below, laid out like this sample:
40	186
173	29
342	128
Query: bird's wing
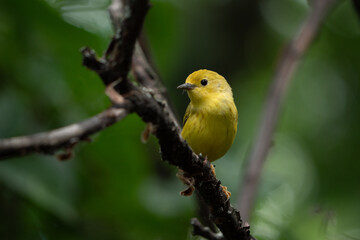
187	114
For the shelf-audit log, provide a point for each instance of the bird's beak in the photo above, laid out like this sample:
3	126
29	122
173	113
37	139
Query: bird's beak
187	86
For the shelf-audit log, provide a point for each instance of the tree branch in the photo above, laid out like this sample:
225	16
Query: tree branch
147	77
154	109
65	137
284	72
116	12
129	23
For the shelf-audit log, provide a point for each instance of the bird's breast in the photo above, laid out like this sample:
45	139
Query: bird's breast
211	130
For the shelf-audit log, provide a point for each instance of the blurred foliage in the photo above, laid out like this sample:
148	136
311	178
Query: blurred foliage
117	188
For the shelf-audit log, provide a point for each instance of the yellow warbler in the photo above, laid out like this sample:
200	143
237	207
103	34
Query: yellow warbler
210	121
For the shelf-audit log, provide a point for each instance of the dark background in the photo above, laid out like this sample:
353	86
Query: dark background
116	187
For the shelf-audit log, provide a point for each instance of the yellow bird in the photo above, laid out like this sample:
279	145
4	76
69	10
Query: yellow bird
210	121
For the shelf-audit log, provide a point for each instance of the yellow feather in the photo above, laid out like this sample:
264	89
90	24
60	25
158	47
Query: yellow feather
210	121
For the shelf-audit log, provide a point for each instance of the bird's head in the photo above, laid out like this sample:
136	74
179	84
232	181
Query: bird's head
203	85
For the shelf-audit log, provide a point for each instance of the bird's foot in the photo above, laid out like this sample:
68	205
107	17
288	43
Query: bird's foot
213	169
211	166
227	193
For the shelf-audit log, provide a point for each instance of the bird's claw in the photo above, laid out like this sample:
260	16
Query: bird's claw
212	169
227	193
211	166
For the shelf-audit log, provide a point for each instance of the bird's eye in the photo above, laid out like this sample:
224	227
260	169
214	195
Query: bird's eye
204	82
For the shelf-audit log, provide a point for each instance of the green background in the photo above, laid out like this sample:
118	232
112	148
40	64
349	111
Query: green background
118	188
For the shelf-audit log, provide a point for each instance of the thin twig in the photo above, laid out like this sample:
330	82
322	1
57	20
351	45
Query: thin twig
200	230
286	67
49	142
